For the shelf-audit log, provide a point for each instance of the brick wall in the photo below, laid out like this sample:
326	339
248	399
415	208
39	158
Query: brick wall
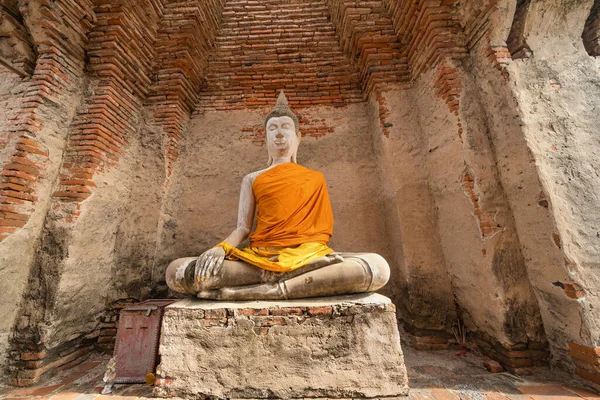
430	30
587	362
60	36
16	49
367	35
177	57
120	60
486	220
517	358
185	38
60	54
265	46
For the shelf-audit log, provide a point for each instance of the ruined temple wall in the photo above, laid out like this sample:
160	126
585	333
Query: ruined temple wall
18	251
561	128
494	218
221	147
479	243
112	245
424	293
557	91
95	150
33	138
492	72
439	162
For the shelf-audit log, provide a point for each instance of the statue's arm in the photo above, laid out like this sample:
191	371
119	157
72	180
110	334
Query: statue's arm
210	262
246	209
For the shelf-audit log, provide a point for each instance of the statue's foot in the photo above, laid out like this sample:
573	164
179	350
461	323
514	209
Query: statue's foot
263	291
208	294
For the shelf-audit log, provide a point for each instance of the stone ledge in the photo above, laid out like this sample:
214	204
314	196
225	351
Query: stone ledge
337	347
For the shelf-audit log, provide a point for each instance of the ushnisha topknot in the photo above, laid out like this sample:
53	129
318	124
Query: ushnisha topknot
282	110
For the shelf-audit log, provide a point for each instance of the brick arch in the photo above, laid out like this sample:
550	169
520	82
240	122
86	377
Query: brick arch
516	42
185	37
119	65
16	45
431	32
366	33
591	31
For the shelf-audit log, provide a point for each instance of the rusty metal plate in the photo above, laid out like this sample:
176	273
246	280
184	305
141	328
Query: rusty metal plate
138	333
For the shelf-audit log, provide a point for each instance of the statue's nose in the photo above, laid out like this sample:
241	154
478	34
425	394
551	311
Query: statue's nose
279	134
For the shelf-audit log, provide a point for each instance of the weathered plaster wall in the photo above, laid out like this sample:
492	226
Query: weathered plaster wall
112	245
424	292
10	91
517	169
111	136
18	251
456	228
9	87
222	147
557	91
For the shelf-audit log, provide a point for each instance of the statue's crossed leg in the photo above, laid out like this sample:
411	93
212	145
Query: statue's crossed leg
335	274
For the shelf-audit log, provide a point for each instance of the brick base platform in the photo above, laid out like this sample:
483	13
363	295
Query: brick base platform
337	347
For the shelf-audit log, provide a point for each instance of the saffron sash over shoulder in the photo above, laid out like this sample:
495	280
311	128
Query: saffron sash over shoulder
295	220
293	207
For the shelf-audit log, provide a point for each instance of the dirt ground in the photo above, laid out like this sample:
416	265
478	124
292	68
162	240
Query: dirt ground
436	375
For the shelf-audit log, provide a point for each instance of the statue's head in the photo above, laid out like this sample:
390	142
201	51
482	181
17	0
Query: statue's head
281	131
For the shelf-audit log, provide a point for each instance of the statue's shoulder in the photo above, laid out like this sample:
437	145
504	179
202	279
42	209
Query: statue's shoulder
251	177
314	172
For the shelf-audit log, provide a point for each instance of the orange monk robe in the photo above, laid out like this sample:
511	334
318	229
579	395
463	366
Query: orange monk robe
295	220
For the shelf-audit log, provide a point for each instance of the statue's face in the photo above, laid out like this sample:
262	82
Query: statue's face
282	140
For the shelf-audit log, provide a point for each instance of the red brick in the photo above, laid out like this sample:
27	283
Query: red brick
33	356
252	311
287	311
588	375
543	392
443	394
215	314
493	366
583	349
320	311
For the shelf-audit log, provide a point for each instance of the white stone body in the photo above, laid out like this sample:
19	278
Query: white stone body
336	347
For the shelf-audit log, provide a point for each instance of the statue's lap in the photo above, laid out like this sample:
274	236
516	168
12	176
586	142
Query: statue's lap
359	271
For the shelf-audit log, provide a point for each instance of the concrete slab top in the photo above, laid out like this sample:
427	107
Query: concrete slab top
353	299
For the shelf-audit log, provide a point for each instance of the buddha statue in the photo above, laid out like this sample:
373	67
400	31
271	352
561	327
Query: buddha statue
288	257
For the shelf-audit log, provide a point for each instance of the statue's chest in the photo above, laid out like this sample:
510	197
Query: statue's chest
278	200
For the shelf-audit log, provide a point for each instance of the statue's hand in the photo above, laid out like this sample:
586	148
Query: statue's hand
209	263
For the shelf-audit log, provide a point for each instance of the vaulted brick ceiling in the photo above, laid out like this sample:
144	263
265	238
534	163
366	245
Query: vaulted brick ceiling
265	46
172	57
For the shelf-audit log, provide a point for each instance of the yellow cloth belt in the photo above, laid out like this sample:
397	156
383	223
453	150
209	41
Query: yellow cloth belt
277	259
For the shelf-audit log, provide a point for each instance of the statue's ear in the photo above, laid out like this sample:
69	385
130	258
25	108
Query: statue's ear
270	161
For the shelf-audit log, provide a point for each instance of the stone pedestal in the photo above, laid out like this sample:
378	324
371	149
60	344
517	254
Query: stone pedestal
335	347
